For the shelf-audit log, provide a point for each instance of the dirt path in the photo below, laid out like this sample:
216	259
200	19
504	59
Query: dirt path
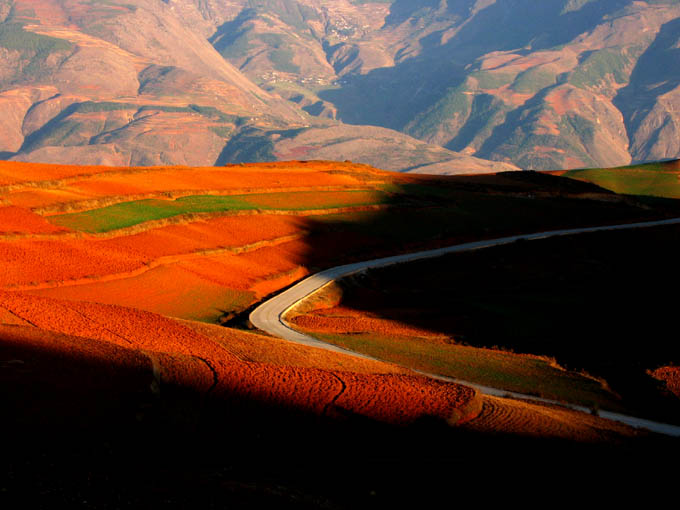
269	316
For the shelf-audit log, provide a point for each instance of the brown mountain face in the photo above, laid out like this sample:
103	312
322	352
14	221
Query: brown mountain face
98	82
550	84
434	85
138	83
384	148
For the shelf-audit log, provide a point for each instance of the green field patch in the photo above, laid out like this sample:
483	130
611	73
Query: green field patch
127	214
497	369
649	180
599	65
492	79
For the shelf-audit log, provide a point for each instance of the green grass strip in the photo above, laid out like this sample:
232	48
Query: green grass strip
128	214
644	180
491	368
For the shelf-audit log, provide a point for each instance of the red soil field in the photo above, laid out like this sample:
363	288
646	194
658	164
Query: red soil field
164	270
28	262
249	346
24	262
345	320
98	297
168	290
50	185
496	415
176	350
17	220
537	420
13	172
671	376
220	232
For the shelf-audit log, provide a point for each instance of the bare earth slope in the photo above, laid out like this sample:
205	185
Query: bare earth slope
174	99
571	84
563	84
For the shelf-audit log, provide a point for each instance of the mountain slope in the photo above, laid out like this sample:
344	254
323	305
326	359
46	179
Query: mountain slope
554	84
139	83
172	97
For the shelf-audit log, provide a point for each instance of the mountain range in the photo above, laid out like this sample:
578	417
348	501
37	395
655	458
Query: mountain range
431	86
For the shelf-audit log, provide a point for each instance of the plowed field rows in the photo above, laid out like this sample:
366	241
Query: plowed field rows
529	419
183	356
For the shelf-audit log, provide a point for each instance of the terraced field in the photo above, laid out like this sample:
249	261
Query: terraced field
116	284
202	243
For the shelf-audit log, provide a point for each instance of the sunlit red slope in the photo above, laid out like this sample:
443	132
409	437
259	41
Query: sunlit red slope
162	352
191	265
188	264
113	264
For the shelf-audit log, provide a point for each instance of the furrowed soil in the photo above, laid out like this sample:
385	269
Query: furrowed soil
122	390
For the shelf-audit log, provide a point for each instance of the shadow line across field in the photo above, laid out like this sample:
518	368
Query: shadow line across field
593	303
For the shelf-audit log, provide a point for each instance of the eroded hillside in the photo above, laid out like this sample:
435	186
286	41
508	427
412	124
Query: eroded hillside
558	84
139	83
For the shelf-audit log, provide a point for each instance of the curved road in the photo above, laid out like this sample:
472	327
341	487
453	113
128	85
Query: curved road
269	315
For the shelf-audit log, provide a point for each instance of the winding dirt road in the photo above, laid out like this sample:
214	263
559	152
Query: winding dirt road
269	316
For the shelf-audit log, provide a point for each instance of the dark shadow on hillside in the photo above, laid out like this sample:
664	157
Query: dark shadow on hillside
589	301
84	433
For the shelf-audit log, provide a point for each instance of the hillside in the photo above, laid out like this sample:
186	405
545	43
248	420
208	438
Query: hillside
174	99
582	319
660	179
567	84
128	372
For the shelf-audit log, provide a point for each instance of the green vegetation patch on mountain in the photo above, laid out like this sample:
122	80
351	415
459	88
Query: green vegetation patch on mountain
492	80
281	54
453	106
598	65
34	52
533	80
14	37
486	112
